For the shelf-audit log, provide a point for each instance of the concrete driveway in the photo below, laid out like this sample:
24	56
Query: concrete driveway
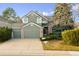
29	47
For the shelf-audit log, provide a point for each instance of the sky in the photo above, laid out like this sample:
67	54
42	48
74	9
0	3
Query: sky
23	8
46	9
75	11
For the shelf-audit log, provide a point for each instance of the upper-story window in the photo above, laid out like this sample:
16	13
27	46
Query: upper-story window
39	20
44	22
25	20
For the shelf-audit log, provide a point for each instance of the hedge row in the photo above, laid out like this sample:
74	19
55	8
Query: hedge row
5	34
71	37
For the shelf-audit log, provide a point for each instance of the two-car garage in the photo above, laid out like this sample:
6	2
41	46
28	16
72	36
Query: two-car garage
30	30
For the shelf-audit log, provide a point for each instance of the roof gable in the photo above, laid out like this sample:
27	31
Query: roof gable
36	13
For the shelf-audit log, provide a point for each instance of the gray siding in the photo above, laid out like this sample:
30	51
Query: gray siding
32	17
5	24
17	25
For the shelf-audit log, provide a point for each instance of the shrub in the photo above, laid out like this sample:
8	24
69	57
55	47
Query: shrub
5	34
71	37
57	29
49	37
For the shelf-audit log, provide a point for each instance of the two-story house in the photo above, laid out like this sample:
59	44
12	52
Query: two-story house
32	25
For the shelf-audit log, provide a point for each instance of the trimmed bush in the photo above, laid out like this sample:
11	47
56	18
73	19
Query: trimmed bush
49	37
5	34
71	37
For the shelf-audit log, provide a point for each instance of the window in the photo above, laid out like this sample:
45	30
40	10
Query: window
25	20
39	20
44	21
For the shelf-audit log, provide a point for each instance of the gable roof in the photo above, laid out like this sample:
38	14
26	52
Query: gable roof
37	14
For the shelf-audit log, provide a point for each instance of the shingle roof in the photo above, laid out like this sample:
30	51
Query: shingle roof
50	18
18	20
5	20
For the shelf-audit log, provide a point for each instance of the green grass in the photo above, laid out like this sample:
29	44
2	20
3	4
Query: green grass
59	45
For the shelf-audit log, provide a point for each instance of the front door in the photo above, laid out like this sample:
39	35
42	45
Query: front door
45	30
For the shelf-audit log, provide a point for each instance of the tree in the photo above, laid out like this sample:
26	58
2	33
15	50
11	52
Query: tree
63	15
9	13
62	19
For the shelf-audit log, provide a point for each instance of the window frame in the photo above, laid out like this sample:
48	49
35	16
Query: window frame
25	20
39	19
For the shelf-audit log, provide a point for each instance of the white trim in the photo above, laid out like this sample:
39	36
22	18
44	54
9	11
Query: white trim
25	20
31	12
39	20
33	24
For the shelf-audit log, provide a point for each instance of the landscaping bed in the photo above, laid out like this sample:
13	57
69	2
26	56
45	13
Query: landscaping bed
58	45
68	41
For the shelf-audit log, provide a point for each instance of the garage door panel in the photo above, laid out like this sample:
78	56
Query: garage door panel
31	32
16	33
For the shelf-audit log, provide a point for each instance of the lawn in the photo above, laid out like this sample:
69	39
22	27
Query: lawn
58	45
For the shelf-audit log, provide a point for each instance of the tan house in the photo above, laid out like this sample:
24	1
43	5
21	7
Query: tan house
31	25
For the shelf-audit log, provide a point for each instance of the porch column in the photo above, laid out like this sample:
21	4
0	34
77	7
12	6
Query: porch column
12	35
41	32
22	33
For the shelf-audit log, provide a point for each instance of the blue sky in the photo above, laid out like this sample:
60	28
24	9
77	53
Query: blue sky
23	8
43	8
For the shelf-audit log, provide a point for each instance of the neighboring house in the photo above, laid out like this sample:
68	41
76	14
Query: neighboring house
4	22
32	25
